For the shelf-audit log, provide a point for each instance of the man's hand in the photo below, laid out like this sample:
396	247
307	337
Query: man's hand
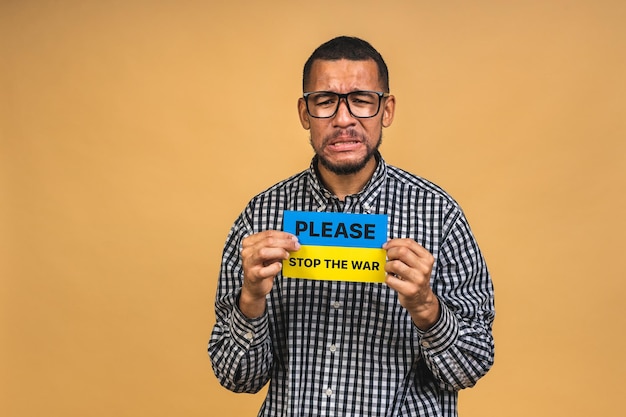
408	268
262	255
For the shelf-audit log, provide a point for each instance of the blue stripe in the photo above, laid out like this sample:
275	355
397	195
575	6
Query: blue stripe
337	229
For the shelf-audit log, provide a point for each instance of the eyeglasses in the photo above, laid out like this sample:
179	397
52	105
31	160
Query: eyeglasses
361	104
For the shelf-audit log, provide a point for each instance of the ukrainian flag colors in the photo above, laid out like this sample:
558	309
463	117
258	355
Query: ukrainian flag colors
336	246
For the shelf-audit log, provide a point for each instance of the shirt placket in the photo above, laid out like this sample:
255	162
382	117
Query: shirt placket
332	378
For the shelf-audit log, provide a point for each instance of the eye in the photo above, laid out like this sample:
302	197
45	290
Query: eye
361	98
323	100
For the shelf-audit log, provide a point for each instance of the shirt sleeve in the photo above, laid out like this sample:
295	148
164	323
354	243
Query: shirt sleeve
239	347
459	348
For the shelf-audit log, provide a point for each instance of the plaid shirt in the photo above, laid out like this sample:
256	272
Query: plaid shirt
334	348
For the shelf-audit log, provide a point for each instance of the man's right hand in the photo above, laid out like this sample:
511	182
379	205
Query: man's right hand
262	255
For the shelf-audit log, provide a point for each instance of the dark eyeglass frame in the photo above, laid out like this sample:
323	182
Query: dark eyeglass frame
340	96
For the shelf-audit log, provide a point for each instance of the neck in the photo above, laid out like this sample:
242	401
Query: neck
342	185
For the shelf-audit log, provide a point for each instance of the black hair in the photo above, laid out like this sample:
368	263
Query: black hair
350	48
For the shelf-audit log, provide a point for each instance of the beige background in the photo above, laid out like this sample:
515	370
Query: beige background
133	133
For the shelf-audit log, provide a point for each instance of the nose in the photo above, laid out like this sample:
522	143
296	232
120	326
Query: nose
343	116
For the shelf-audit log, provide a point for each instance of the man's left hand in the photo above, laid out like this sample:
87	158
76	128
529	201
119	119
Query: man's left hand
409	267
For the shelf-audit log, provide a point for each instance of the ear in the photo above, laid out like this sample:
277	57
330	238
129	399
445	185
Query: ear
389	110
303	114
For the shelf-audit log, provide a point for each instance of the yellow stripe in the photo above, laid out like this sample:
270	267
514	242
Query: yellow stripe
333	263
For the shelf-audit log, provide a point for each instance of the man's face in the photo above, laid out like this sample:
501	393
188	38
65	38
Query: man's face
345	144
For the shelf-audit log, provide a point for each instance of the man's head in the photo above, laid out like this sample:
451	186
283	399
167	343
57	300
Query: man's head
350	48
345	105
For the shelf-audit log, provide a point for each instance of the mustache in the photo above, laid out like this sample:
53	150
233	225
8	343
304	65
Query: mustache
350	132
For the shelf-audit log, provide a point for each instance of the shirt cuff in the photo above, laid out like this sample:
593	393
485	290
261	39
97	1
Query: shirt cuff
248	333
442	335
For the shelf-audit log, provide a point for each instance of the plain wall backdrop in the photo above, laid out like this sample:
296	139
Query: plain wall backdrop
132	133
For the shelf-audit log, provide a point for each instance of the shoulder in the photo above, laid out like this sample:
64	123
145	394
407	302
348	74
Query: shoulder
401	179
264	210
287	185
267	205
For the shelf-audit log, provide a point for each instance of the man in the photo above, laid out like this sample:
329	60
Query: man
336	347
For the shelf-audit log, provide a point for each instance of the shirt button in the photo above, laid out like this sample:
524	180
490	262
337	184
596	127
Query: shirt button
329	392
333	348
336	304
425	343
249	336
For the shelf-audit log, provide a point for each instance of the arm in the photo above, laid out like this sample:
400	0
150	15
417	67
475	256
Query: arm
452	307
240	348
240	344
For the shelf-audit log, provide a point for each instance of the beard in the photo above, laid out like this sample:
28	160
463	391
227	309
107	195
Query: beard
348	168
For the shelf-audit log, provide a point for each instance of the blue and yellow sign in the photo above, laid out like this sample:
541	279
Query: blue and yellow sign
337	246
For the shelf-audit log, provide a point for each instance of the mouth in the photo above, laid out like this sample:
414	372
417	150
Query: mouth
344	141
344	145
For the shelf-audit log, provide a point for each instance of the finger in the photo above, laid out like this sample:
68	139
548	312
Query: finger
272	238
409	252
404	287
409	244
257	273
269	246
262	253
400	270
407	280
255	258
263	256
396	282
270	270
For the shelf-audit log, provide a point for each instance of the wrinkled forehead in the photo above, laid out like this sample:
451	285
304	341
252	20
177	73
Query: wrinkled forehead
343	75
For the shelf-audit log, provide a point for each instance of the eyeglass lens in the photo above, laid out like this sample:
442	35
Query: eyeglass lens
360	103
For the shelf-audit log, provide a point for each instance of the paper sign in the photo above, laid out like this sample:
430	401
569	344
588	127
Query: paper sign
336	246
